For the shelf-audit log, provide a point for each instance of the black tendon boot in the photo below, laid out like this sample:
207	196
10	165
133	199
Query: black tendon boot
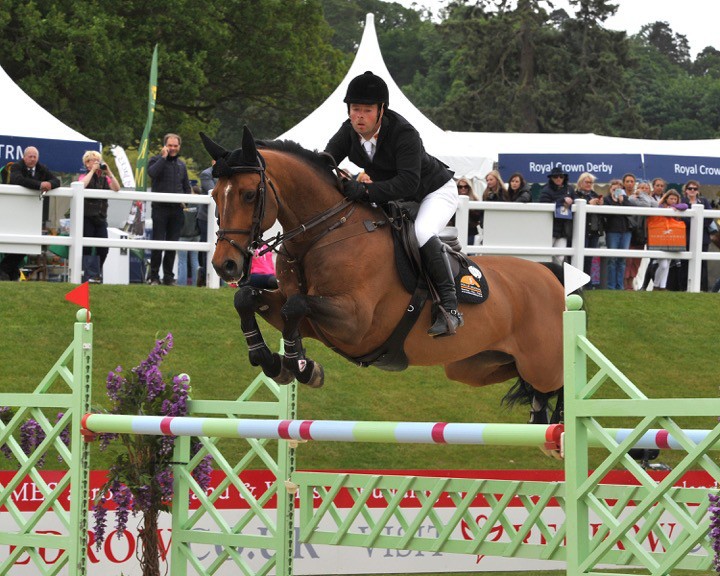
449	319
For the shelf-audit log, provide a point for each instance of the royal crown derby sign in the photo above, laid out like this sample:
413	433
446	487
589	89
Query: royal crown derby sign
683	168
536	167
117	555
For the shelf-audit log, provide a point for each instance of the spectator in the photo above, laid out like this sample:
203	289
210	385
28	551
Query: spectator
29	173
517	190
594	228
189	233
669	200
638	236
169	174
617	234
691	196
643	197
495	189
657	192
465	189
98	176
658	188
562	194
207	184
262	270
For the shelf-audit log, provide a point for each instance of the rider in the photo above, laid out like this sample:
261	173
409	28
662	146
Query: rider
396	167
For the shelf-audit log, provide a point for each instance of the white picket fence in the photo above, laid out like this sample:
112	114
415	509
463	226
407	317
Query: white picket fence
75	240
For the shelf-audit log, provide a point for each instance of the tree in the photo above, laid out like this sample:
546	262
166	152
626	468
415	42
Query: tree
89	67
524	69
674	46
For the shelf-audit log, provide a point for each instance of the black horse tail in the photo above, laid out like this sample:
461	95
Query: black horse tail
541	412
557	270
520	393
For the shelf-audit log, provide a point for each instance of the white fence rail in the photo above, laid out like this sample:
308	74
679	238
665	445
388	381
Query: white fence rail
77	193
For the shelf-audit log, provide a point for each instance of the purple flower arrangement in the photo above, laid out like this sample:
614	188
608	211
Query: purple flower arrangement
141	479
715	529
31	435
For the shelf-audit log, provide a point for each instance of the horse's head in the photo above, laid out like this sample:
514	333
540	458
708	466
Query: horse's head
240	196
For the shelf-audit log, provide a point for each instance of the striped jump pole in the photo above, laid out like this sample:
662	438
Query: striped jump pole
547	436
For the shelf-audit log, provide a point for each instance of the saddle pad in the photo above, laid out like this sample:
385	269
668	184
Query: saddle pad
470	284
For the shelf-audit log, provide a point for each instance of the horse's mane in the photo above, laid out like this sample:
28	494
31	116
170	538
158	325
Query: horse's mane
322	163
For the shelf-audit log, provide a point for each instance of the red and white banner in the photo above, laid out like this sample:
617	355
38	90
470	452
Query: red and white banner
118	555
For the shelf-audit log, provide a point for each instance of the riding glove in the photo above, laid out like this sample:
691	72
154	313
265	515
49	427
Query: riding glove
354	190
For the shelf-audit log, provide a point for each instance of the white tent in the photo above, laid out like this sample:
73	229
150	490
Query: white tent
316	129
23	122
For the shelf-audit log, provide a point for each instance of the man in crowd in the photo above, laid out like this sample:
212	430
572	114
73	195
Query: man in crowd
169	174
29	173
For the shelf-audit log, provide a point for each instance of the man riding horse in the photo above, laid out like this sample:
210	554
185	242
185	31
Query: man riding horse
397	167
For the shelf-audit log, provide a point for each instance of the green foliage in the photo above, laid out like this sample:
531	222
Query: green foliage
88	63
487	65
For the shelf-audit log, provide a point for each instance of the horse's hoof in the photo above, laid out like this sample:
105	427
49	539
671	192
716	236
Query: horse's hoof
284	378
317	378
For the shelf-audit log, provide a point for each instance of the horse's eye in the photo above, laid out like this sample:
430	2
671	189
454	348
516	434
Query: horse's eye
249	196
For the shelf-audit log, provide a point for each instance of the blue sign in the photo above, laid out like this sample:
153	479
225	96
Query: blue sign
536	167
680	169
58	155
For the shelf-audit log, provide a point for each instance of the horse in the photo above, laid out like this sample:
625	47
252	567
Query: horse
338	282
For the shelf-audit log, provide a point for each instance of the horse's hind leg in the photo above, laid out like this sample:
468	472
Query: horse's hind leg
247	301
306	371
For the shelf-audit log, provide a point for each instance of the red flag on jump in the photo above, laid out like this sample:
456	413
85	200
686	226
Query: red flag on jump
80	296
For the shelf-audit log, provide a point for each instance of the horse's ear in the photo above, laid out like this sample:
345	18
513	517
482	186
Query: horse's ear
249	150
215	150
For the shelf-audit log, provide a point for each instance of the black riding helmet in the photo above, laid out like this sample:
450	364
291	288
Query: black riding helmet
367	89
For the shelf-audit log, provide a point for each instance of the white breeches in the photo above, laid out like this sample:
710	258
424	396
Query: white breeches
435	212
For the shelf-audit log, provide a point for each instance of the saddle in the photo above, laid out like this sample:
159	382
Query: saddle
470	283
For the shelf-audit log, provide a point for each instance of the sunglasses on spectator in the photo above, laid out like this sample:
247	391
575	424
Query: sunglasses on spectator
691	188
463	186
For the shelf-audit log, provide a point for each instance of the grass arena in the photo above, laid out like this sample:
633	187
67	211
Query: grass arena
622	518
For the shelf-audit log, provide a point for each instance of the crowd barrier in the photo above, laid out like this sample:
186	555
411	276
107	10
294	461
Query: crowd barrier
511	243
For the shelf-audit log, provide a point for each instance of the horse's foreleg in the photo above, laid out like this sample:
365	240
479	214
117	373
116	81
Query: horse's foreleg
247	302
305	370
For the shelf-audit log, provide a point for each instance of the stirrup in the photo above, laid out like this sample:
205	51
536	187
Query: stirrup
447	322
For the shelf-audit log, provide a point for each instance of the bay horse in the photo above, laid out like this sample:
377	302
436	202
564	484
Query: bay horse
338	282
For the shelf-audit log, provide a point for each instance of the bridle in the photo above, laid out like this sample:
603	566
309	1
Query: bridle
255	233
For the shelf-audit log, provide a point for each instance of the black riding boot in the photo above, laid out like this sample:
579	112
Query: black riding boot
436	262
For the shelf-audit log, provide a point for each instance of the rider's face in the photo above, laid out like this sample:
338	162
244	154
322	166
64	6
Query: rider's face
365	119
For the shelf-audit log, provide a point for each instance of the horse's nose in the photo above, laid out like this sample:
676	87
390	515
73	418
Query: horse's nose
228	270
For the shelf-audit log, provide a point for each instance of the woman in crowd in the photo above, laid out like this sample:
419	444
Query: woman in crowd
594	228
617	234
98	176
495	187
691	196
562	194
518	190
671	199
474	216
638	235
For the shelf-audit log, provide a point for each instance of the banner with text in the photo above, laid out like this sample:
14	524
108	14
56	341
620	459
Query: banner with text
536	167
117	555
680	169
